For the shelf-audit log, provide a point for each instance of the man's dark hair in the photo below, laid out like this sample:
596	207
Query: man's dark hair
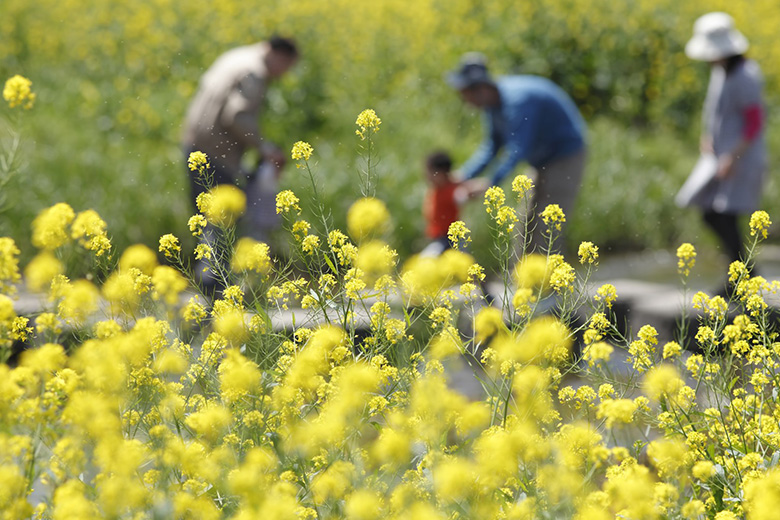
283	45
439	161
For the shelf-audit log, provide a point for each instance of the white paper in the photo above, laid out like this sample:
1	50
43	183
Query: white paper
701	176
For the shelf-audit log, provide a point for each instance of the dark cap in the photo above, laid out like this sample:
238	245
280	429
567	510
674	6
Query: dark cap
471	71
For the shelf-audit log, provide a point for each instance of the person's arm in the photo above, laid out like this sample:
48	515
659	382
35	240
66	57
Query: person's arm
749	101
705	140
515	154
522	124
470	189
240	112
753	117
240	116
484	154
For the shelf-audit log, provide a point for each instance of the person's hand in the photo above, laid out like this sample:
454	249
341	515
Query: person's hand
725	166
476	187
705	145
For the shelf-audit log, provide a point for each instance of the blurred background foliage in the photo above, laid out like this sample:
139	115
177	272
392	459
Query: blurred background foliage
115	78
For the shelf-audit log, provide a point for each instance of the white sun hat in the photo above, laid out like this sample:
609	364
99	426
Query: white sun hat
715	38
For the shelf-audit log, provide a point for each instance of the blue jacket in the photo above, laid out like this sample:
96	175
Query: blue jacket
535	122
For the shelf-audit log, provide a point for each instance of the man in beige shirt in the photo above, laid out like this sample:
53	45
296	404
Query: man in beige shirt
222	120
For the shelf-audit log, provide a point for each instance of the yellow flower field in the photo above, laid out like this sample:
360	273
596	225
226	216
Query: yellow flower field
131	394
130	391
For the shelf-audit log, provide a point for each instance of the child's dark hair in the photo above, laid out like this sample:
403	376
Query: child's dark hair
439	161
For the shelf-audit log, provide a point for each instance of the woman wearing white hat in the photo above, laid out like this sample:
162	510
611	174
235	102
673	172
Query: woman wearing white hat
732	141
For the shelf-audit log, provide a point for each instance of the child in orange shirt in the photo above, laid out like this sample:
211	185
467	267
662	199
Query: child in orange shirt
443	200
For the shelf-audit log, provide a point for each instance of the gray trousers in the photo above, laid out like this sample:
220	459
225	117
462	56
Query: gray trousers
556	183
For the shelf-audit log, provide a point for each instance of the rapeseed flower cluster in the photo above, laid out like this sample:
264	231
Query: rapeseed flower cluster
367	218
169	245
458	233
368	123
225	206
198	161
286	201
553	217
18	92
58	225
686	258
759	224
301	151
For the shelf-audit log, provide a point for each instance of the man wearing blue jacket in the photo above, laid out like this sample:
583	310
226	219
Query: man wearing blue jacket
528	118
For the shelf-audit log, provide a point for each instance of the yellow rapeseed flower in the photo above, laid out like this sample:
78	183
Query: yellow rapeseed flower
203	251
119	290
7	312
310	244
210	422
363	504
762	499
562	278
138	256
197	224
597	352
238	375
553	216
662	381
80	300
704	470
487	323
198	161
301	151
9	263
367	122
668	456
494	200
18	92
90	230
672	349
227	204
522	300
168	284
522	185
300	229
616	411
588	253
532	272
286	201
368	217
50	227
251	255
41	270
606	293
506	218
457	233
686	258
232	325
759	223
375	258
194	311
169	246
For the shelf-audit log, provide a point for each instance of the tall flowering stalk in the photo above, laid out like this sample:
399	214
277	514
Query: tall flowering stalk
18	94
368	124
